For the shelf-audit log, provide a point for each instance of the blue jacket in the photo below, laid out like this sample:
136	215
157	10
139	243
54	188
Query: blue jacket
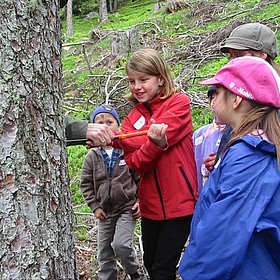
235	231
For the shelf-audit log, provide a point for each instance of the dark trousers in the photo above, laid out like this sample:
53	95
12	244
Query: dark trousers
163	242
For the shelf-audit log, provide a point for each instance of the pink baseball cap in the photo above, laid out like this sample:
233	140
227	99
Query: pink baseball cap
251	78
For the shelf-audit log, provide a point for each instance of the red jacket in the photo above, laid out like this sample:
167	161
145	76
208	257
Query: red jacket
168	187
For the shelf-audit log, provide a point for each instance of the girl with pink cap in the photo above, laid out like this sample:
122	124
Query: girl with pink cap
235	232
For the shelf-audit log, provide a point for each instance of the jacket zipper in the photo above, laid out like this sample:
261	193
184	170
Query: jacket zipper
187	181
110	184
159	192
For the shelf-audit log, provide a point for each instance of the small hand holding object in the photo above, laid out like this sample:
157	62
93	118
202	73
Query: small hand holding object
99	214
209	161
157	134
136	210
98	135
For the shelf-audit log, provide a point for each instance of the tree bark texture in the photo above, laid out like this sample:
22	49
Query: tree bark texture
36	219
103	12
69	18
124	42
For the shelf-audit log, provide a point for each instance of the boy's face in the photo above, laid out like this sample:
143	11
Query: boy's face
108	119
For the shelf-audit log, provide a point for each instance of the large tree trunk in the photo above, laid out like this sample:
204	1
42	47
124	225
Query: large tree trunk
36	220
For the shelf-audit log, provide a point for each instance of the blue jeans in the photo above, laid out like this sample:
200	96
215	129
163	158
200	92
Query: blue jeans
115	239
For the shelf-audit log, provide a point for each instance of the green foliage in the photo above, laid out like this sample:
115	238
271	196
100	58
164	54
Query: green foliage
68	62
81	115
201	117
82	233
88	6
81	29
212	67
131	14
76	156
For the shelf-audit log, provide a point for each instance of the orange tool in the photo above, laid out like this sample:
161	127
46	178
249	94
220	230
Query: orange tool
133	134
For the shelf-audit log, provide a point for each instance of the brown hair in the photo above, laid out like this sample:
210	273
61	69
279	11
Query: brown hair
258	54
259	117
273	64
150	62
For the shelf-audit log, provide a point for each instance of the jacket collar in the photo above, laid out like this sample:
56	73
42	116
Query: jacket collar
150	105
259	143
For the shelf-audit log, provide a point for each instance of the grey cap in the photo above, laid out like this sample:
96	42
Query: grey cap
254	36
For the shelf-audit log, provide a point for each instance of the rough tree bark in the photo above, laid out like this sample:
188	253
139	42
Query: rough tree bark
36	220
124	42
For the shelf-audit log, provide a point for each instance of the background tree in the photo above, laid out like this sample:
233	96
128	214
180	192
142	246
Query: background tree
69	18
36	221
103	11
113	5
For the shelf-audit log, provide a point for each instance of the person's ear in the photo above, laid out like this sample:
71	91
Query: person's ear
237	101
161	82
263	55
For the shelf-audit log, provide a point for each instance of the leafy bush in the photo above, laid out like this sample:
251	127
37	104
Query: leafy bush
76	156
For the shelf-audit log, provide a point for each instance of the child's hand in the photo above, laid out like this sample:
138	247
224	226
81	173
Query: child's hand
136	210
157	134
99	214
209	161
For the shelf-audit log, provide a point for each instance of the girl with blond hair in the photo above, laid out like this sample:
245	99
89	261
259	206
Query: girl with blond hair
167	188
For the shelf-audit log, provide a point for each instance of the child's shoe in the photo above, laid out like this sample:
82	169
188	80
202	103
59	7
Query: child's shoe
138	275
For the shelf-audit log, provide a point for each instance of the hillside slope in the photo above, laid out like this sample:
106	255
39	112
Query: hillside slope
189	40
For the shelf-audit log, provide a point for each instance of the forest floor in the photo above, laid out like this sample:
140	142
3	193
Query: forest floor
86	255
87	263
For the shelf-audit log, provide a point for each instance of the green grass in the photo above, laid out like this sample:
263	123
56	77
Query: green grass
131	14
69	62
81	29
76	156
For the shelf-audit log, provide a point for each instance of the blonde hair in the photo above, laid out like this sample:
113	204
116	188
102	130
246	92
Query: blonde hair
150	62
259	117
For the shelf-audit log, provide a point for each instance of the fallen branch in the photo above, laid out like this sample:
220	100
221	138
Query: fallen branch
77	44
86	249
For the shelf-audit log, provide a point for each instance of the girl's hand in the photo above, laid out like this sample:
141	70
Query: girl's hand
209	161
100	214
157	134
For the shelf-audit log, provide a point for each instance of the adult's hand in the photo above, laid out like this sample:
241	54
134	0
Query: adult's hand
99	135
